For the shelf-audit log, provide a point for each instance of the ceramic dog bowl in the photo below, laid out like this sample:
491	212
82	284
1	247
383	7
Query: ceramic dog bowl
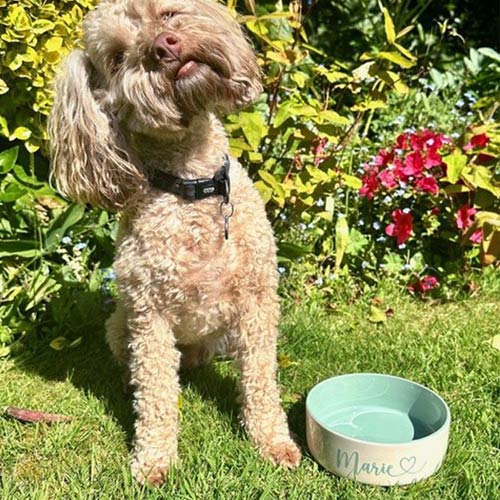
377	429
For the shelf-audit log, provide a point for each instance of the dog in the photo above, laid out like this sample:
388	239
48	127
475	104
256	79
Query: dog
134	128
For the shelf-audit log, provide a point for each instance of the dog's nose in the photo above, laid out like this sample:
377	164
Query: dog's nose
166	47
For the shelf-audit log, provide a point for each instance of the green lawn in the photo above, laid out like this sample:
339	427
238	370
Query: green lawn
440	345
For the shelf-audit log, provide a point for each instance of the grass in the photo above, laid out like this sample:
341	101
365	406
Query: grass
440	345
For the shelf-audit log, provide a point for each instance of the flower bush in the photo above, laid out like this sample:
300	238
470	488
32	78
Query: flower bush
432	205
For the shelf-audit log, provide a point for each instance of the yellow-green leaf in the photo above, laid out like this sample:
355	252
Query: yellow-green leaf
396	58
19	19
455	163
405	31
495	342
352	181
4	88
377	315
21	133
341	240
330	116
59	343
254	128
405	52
390	32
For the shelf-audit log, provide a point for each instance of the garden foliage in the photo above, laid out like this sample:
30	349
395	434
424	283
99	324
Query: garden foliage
310	144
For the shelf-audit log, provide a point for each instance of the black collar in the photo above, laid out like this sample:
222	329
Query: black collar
194	189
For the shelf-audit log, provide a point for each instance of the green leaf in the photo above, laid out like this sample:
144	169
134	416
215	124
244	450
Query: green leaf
357	242
284	112
8	159
60	225
12	193
489	52
390	32
341	240
455	163
481	177
329	116
291	250
377	315
393	263
253	127
19	248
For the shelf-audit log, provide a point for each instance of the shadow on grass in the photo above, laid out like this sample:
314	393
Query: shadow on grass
91	368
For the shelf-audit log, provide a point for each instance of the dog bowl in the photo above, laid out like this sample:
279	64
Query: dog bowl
377	429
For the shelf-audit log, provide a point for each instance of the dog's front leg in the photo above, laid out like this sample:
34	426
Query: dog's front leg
263	417
154	365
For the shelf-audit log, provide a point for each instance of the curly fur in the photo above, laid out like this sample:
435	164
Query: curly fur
185	291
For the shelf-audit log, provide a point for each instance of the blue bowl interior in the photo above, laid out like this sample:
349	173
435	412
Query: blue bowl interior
377	408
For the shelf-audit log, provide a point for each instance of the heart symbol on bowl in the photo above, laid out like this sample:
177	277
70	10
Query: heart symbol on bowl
408	464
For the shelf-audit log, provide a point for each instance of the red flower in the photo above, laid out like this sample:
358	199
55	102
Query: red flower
477	236
433	159
426	284
399	170
413	164
477	141
370	183
464	216
384	157
387	179
483	158
402	141
428	185
401	227
318	149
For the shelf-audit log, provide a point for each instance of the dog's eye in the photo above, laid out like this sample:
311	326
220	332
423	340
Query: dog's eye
118	58
169	14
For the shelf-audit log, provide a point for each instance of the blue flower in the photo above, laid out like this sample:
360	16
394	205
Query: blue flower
80	246
376	225
66	240
460	103
109	275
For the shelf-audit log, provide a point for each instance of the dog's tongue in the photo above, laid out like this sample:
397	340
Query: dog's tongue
187	69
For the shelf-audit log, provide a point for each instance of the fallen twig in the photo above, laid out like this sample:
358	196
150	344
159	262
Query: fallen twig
33	416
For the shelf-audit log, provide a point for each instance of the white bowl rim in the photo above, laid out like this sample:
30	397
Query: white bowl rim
443	428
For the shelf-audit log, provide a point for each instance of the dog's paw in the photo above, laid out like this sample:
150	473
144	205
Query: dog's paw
287	454
149	472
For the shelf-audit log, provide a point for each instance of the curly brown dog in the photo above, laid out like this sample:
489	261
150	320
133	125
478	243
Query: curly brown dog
134	129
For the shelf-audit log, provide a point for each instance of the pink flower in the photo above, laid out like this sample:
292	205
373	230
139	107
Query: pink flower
428	185
477	236
426	284
387	179
477	141
413	164
464	216
401	227
370	183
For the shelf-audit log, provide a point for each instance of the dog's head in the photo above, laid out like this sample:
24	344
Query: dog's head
148	67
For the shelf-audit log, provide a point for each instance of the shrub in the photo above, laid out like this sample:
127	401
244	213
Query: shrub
34	36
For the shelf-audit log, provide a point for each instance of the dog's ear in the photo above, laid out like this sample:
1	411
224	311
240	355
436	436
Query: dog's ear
90	163
245	82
